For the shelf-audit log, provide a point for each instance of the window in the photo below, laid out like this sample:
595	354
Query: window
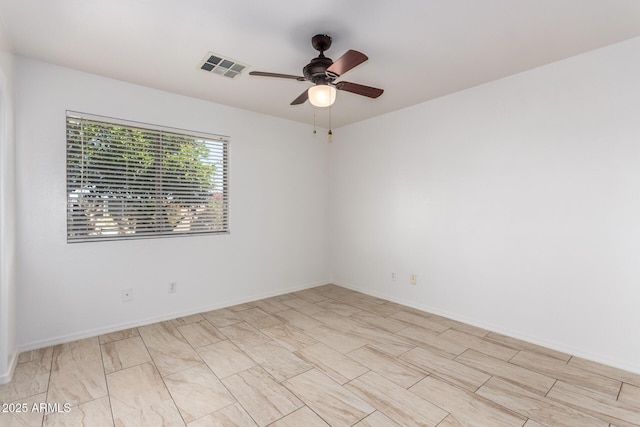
130	180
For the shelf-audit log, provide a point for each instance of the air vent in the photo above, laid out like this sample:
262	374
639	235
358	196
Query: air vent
225	67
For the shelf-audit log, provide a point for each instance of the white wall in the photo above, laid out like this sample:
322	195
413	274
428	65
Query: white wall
516	203
278	217
8	346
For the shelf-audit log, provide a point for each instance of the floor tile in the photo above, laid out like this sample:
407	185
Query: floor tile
525	378
263	398
607	371
258	318
76	382
225	358
523	345
455	372
35	355
538	408
595	404
136	388
339	341
271	305
382	340
244	335
181	321
297	319
197	392
118	335
279	362
333	363
221	317
338	308
384	323
557	369
483	346
302	305
230	416
377	419
95	413
20	418
288	336
422	321
336	321
467	408
124	353
302	417
29	378
393	369
630	395
432	341
201	333
163	414
333	402
402	406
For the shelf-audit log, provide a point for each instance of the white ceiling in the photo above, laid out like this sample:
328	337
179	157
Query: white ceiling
418	49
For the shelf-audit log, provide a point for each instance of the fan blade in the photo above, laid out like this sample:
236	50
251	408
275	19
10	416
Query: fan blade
346	62
280	76
301	99
371	92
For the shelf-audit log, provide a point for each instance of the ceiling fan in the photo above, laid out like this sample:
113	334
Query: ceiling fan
323	72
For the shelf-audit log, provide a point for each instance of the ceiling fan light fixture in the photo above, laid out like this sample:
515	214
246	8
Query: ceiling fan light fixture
322	95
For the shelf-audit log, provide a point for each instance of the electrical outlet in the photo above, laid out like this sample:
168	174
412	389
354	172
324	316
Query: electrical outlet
173	286
126	295
413	279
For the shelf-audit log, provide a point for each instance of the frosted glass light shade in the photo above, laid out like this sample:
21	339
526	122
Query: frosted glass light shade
322	95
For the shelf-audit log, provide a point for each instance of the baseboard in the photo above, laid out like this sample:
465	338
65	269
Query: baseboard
563	348
6	377
149	320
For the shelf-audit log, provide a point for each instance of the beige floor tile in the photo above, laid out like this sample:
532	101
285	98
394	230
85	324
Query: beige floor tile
382	340
95	413
29	378
163	414
333	363
384	323
467	408
333	402
298	320
124	353
271	305
199	334
523	345
339	341
535	407
302	305
557	369
244	335
432	341
630	395
402	406
377	419
241	307
302	417
160	333
459	326
595	404
77	382
118	335
451	421
525	378
264	399
136	388
418	320
225	358
531	423
221	317
338	307
278	361
229	416
311	295
457	373
384	310
607	371
35	355
174	356
76	352
258	318
336	321
401	373
197	392
20	418
289	337
483	346
181	321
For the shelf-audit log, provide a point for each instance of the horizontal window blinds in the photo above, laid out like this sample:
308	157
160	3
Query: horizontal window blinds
129	180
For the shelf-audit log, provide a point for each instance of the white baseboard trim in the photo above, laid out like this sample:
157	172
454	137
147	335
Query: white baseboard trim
161	318
6	376
598	358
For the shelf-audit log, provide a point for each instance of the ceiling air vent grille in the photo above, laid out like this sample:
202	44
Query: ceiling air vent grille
218	64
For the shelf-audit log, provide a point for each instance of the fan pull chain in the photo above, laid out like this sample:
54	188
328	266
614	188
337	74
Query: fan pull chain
330	134
314	121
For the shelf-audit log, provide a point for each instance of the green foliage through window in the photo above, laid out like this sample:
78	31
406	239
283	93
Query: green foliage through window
127	181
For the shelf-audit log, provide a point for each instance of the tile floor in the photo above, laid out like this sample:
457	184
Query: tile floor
323	356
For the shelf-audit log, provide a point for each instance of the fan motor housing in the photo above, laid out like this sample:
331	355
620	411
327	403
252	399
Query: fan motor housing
315	71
